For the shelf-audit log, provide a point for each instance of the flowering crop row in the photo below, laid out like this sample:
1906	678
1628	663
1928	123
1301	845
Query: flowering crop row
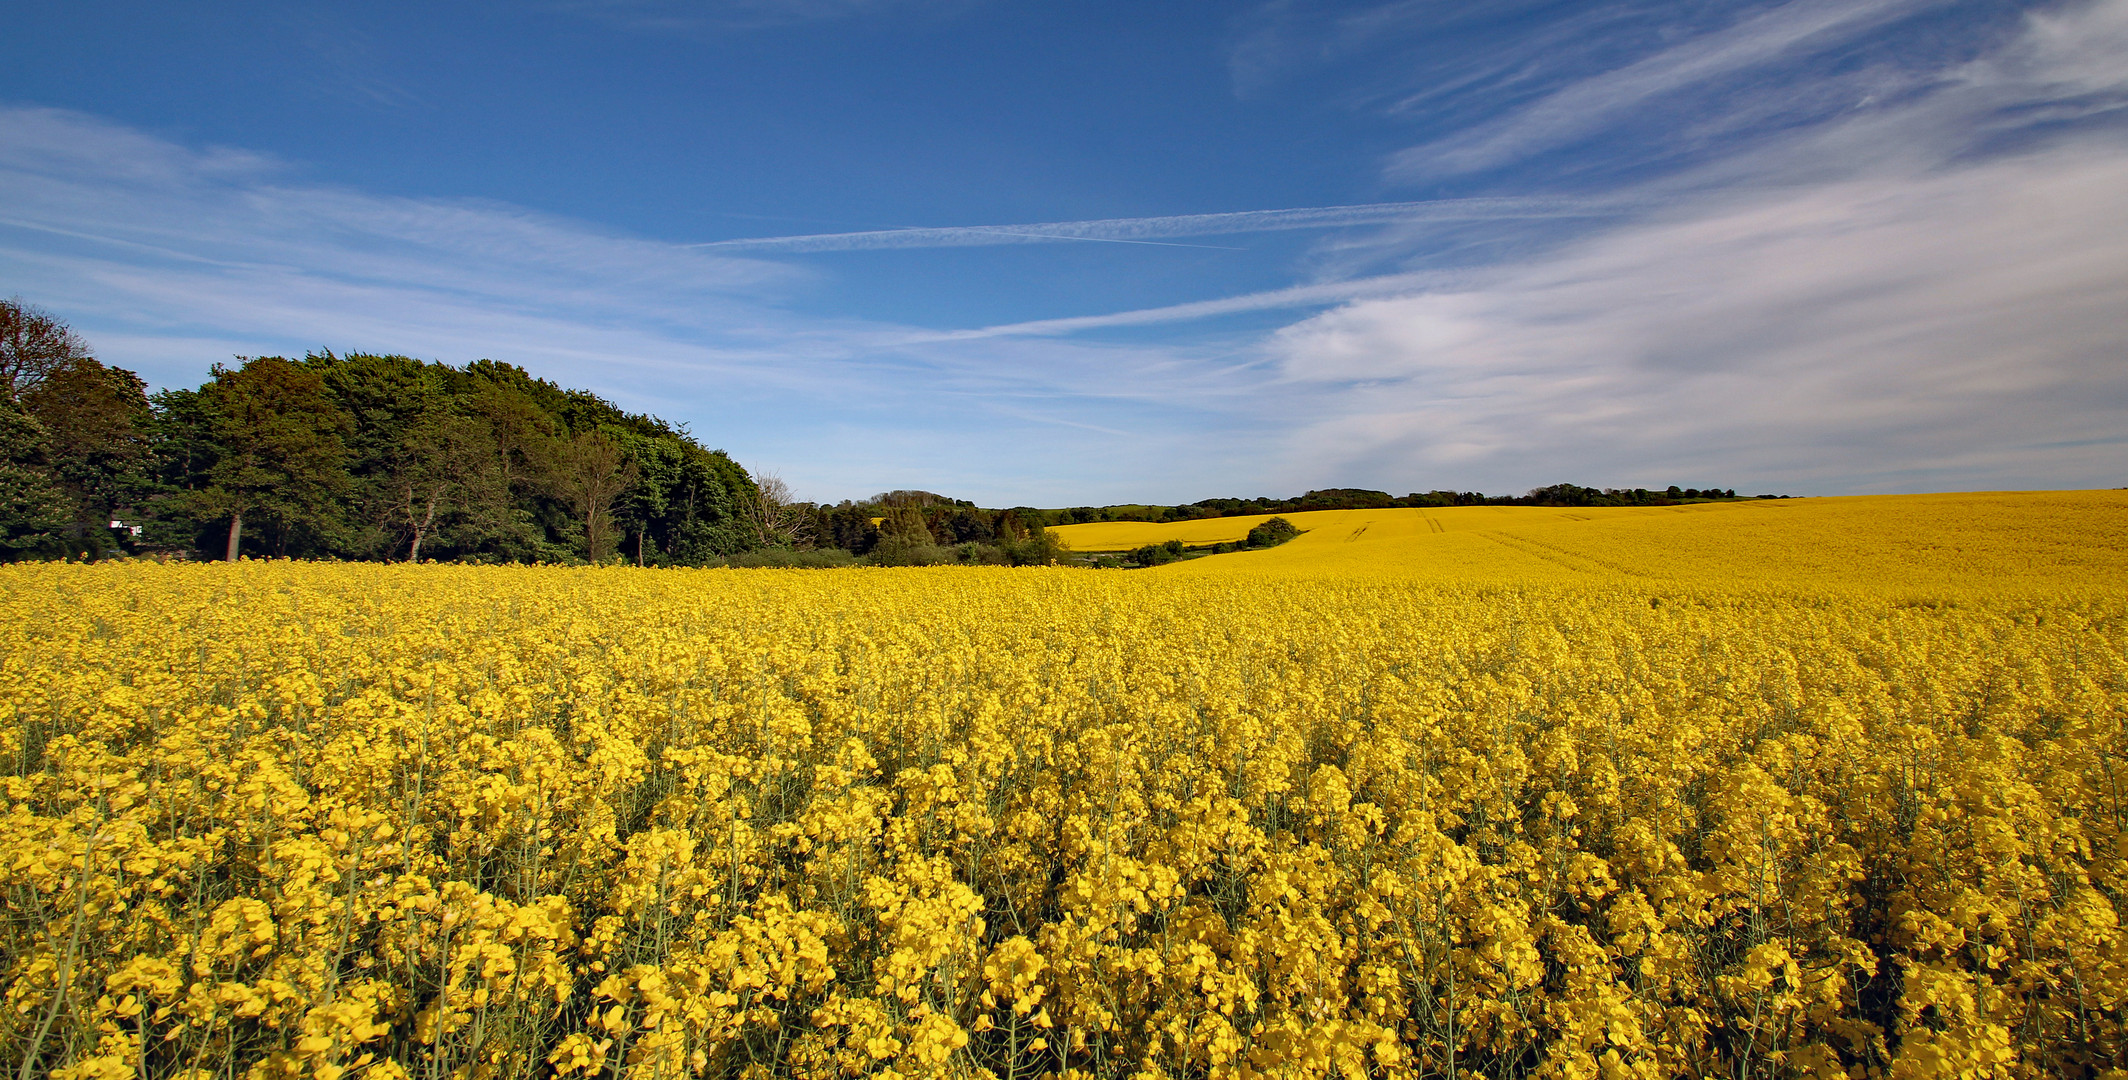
284	820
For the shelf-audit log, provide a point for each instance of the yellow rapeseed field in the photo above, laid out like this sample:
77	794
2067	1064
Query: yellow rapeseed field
1992	540
1819	788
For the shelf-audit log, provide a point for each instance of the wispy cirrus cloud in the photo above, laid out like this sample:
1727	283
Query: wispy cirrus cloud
1297	296
345	60
66	174
1921	295
1387	51
1589	105
1147	230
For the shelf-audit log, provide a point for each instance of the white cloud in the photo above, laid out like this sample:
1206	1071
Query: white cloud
2080	49
110	189
1958	329
1922	293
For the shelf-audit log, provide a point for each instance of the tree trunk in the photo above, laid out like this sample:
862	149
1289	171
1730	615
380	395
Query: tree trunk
236	532
421	529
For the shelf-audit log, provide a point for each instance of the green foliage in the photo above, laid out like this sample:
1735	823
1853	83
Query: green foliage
1156	554
481	463
362	456
99	439
1267	534
1272	533
920	528
846	525
280	456
1366	499
895	549
805	558
33	512
1034	547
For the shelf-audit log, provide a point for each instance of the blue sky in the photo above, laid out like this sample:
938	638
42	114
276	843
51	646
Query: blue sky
1094	252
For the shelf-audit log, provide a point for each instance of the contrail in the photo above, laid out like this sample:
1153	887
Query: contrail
1036	238
1296	296
1150	230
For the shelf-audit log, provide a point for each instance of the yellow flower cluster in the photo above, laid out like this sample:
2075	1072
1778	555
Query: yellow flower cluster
287	820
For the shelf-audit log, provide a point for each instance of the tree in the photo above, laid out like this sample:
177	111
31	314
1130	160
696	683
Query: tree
777	519
419	461
520	450
357	455
688	503
1155	554
441	478
32	343
965	525
848	526
592	472
1039	547
32	510
1272	533
99	434
904	536
279	448
904	522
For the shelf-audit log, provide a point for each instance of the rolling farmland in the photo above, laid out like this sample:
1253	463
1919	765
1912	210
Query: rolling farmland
1989	540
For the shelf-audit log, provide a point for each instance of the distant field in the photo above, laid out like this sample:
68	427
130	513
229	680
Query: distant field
1823	788
1125	535
1991	539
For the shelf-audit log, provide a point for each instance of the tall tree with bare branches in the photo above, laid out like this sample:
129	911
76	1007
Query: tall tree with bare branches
32	344
778	520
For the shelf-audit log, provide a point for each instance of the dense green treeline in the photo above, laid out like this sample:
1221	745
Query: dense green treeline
354	457
1363	499
907	528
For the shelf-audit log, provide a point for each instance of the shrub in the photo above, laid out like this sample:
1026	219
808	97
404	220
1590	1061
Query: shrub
818	558
1272	533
